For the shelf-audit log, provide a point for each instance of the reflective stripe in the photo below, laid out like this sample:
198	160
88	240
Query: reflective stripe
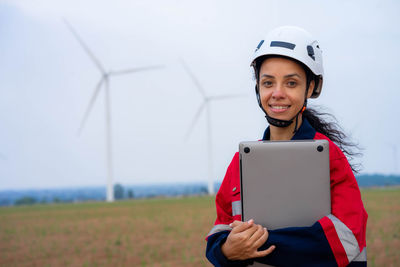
219	228
346	237
362	256
236	208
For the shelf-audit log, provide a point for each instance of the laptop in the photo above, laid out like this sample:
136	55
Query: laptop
285	183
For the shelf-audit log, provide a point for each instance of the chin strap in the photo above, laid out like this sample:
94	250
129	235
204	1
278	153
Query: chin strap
285	123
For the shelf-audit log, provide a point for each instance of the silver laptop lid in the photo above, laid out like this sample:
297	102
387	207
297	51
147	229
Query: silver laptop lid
285	183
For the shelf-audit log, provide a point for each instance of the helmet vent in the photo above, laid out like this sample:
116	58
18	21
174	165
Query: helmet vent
310	51
259	45
282	44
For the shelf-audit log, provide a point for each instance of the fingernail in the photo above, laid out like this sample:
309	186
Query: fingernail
265	229
230	225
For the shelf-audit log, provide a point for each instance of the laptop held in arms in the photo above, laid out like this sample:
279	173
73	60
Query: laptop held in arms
285	183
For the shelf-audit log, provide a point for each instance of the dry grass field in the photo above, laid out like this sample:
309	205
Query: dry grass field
153	232
383	227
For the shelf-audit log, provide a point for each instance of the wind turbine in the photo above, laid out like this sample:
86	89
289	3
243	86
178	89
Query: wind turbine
104	80
205	106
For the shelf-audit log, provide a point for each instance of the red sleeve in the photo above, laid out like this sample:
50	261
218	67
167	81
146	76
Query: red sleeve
345	228
223	200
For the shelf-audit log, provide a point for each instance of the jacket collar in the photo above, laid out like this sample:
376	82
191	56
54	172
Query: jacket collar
306	131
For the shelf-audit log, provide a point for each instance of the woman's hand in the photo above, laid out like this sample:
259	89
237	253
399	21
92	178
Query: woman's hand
244	240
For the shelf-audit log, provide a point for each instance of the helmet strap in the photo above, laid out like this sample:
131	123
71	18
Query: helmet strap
297	116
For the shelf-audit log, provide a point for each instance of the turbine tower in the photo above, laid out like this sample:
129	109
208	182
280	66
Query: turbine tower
205	106
104	82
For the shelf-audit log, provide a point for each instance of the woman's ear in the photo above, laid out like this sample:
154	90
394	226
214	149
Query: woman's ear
311	89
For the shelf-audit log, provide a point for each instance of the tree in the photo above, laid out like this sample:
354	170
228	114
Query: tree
118	191
130	193
25	201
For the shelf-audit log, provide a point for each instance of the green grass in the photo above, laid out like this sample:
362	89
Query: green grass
140	232
383	227
152	232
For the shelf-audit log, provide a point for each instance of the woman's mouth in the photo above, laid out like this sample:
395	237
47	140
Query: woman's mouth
279	108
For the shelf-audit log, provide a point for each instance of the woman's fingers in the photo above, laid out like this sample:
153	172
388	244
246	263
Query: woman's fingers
248	230
262	238
235	223
264	253
238	226
244	241
259	232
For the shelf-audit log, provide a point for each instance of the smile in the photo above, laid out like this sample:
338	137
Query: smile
279	107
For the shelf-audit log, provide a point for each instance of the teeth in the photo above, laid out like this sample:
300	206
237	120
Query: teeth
279	107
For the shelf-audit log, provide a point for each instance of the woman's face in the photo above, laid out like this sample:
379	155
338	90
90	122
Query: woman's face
282	85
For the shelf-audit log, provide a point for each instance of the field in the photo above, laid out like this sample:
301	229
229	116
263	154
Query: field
153	232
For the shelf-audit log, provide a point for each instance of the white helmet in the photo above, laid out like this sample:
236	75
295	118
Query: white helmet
296	43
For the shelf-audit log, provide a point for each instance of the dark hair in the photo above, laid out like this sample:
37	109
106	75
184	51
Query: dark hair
333	131
329	128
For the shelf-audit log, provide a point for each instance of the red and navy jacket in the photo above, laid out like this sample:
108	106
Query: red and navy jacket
337	239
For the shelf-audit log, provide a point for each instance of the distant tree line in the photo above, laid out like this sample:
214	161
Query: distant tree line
25	201
369	180
28	200
121	193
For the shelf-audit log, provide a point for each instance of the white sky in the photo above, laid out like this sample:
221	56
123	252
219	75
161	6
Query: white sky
47	80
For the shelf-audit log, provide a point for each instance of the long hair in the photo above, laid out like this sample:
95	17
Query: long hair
329	128
334	132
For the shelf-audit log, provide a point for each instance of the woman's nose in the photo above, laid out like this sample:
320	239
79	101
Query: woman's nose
278	92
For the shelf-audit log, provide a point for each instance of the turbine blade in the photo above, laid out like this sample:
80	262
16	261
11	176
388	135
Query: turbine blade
195	119
128	71
194	79
223	97
84	46
91	102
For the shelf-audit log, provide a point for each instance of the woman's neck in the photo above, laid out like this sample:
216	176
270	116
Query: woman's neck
284	133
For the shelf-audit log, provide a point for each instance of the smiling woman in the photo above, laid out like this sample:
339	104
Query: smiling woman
282	89
288	70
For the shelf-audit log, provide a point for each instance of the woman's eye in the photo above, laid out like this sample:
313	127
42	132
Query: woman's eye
267	83
292	84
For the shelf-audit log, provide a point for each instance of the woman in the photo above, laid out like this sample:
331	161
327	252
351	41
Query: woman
288	70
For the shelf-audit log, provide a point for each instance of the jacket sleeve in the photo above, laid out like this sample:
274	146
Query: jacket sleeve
345	228
225	215
214	253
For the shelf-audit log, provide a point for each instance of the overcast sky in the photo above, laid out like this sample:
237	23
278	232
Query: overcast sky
47	80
